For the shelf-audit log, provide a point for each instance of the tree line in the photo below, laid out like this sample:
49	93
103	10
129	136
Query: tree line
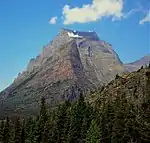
109	121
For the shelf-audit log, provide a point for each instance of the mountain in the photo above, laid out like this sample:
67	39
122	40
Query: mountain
137	64
73	60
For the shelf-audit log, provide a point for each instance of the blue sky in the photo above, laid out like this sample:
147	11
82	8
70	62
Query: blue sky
27	25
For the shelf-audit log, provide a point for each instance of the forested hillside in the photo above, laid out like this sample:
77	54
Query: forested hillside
116	113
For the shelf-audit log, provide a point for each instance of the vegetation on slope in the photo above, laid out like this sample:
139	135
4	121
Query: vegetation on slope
116	113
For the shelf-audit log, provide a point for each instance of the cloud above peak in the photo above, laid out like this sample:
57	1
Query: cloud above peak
146	18
53	20
93	12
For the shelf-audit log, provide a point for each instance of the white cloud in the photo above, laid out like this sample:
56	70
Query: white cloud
53	20
146	18
93	12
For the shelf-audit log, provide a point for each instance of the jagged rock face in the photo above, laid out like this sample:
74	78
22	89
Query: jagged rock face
130	67
100	61
72	60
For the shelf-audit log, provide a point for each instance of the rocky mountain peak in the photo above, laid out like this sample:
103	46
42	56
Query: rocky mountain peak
64	36
73	59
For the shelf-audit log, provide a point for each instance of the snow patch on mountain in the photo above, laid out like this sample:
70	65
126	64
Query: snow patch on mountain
71	34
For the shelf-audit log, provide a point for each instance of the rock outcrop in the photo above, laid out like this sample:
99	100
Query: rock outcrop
65	65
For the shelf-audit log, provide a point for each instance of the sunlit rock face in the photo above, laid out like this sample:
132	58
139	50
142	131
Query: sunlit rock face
130	67
71	61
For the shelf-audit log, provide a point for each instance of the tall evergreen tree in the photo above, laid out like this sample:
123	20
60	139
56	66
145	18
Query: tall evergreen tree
76	120
23	133
119	119
34	134
88	115
131	133
6	134
63	122
93	133
29	130
1	130
17	136
42	120
106	122
52	127
43	111
47	138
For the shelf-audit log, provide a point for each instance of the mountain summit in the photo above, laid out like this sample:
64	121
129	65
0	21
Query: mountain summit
71	61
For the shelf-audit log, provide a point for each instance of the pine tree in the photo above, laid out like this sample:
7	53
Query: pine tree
76	120
29	130
23	133
41	122
1	130
46	133
93	133
88	115
50	132
106	121
43	111
6	134
52	126
34	134
119	119
17	136
63	122
131	133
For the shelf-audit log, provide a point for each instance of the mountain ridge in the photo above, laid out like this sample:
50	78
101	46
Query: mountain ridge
133	66
70	62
